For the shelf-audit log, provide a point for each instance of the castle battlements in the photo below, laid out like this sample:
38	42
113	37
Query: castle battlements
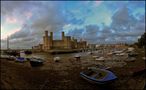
66	42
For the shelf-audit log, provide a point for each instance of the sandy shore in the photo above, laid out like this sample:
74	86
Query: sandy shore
65	75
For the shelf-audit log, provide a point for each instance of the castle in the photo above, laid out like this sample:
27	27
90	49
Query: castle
65	43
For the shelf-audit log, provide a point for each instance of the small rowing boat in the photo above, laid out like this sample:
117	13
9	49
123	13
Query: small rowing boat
98	76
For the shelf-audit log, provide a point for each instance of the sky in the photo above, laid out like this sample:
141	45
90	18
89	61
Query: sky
97	22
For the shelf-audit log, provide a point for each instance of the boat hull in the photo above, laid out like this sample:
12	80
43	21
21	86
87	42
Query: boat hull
35	63
109	77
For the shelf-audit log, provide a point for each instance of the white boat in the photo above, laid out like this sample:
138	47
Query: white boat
122	54
144	58
56	59
77	56
95	57
8	57
100	59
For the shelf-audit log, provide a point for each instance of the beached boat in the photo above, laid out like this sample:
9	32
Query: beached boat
8	57
100	66
56	59
100	59
27	52
144	58
77	56
95	57
90	53
20	59
132	54
4	56
98	76
131	59
34	62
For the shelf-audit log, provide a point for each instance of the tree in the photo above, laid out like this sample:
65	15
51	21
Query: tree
141	41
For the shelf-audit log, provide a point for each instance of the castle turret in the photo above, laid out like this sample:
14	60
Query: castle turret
51	40
51	36
46	33
63	35
46	40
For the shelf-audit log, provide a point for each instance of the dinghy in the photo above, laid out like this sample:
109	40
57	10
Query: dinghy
98	76
56	59
20	59
100	59
7	57
34	62
77	56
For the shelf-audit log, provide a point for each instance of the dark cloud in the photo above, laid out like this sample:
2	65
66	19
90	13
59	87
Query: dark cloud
125	27
77	33
46	16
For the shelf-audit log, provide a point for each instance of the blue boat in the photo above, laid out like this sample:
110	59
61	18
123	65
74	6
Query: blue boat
20	59
98	76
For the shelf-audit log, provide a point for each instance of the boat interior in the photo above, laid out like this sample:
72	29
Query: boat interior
97	74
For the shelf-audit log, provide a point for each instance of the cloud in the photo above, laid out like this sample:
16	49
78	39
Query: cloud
11	20
91	32
126	27
46	16
28	14
108	22
98	2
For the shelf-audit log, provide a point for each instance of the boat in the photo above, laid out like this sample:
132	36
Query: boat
98	76
56	59
77	56
90	53
95	57
27	52
144	58
7	57
100	59
132	54
100	67
20	59
34	62
131	59
4	56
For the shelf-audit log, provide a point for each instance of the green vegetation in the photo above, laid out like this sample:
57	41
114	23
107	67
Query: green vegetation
141	41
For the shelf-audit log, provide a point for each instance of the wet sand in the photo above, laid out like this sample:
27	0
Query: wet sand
65	75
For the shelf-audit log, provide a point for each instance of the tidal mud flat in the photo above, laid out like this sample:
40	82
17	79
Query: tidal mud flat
65	74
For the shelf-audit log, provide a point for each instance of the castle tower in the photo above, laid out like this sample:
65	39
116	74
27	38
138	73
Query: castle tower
51	40
51	35
63	35
46	40
46	33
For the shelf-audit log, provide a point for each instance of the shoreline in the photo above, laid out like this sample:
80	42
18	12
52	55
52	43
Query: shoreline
65	75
